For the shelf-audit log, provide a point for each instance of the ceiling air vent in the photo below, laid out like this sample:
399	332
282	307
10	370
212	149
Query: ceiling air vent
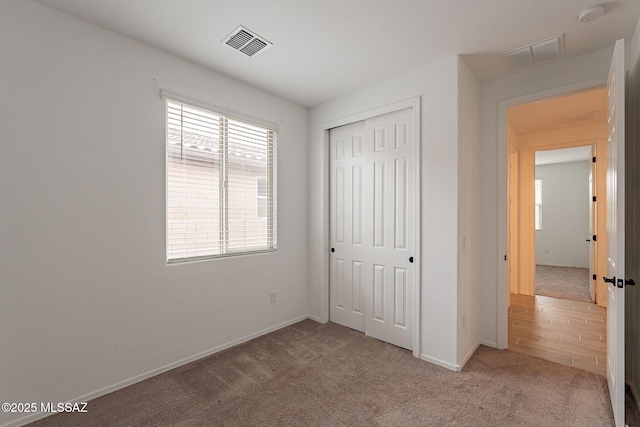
246	41
565	120
535	53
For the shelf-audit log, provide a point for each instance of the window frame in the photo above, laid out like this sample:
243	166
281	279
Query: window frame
270	178
537	206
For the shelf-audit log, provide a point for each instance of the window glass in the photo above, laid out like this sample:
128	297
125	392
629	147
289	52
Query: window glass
217	167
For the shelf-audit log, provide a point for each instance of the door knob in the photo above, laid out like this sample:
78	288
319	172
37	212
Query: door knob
411	259
607	280
333	249
629	282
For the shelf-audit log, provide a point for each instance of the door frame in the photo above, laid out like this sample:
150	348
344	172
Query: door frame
414	104
593	224
503	192
528	257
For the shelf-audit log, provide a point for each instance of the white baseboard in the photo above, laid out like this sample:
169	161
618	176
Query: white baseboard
315	318
469	354
558	265
489	343
133	380
450	366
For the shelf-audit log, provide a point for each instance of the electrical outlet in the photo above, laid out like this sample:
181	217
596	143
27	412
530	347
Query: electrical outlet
272	297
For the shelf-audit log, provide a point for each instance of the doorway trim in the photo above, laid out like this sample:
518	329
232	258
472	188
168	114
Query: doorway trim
503	189
532	262
414	104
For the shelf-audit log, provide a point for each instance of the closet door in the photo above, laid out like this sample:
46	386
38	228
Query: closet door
373	226
347	240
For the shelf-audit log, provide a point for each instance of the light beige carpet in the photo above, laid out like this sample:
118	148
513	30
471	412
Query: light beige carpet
310	374
563	282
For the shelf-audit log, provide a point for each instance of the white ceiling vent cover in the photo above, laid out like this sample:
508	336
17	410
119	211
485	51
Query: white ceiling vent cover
246	41
535	53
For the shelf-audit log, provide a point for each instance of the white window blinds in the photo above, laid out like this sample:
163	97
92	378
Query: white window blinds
213	164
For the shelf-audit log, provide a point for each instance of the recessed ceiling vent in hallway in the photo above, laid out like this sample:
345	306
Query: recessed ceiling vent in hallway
565	120
246	41
535	53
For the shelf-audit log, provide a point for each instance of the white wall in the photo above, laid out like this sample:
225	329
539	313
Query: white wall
438	86
87	299
565	215
632	223
589	69
468	220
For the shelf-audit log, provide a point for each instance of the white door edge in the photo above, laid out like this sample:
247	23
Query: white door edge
616	233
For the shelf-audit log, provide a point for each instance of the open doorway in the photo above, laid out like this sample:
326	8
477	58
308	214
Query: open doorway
565	223
561	130
551	149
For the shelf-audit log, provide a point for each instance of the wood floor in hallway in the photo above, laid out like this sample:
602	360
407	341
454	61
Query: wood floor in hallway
571	333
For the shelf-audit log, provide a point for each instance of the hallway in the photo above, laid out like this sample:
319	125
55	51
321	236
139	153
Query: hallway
571	333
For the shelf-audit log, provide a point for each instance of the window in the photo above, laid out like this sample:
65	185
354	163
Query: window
261	196
217	167
538	204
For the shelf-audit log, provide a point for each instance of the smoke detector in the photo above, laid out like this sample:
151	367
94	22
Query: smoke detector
246	41
591	13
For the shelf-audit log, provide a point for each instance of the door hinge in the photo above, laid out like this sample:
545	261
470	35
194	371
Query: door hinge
594	277
593	159
594	237
594	198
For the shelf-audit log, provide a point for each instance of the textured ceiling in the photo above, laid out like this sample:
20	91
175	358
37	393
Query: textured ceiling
323	49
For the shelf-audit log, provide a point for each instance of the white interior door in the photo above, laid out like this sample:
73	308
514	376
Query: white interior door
373	226
346	292
389	305
615	234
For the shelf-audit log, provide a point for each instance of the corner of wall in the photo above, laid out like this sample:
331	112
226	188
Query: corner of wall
468	101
